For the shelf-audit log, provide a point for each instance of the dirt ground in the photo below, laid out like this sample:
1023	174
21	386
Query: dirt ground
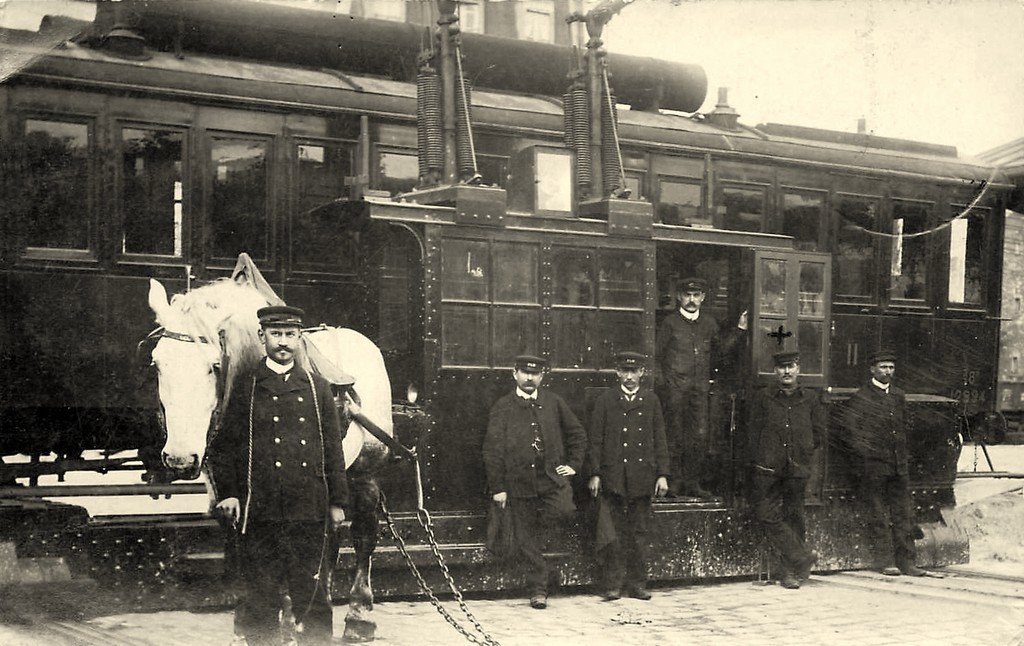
995	525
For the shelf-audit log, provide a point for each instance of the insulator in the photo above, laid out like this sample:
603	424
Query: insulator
429	132
581	136
612	168
463	131
567	122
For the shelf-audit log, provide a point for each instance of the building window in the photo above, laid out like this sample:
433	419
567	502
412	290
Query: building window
238	203
471	16
740	208
152	192
679	202
802	214
967	257
490	302
384	9
319	239
55	209
856	222
597	305
538	21
909	248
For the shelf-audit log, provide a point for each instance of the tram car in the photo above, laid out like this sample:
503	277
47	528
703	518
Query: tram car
165	145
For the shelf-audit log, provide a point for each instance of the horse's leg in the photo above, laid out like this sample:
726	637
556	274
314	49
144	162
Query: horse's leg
359	623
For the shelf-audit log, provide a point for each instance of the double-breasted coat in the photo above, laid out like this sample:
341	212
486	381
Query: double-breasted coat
509	454
627	443
784	430
874	424
297	471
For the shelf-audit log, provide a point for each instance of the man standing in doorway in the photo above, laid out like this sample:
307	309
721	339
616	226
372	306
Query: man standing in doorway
876	433
786	424
279	473
687	342
534	444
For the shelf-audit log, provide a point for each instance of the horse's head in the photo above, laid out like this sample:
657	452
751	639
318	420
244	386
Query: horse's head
187	362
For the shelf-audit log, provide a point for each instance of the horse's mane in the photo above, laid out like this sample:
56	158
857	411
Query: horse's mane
229	306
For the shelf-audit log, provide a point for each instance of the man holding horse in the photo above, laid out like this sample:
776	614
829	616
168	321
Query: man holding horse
534	444
279	473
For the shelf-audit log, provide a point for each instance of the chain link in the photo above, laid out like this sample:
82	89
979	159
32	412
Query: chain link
424	519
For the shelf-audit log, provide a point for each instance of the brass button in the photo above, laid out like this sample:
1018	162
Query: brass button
274	397
302	442
300	399
276	418
302	419
277	440
277	464
303	464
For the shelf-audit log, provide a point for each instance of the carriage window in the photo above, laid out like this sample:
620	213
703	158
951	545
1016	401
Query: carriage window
966	257
488	316
635	184
620	280
802	214
516	280
493	169
909	251
854	253
396	172
238	204
151	191
679	202
742	209
465	266
55	209
319	241
590	326
574	276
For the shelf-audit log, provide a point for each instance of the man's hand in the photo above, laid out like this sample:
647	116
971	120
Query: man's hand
594	485
351	407
742	324
565	470
337	517
500	498
229	508
660	487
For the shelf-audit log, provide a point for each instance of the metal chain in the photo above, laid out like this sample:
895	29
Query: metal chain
426	589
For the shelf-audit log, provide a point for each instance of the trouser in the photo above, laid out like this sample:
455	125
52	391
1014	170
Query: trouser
625	559
687	433
534	521
890	525
779	507
295	555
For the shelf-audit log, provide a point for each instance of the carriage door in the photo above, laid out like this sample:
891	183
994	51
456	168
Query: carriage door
791	311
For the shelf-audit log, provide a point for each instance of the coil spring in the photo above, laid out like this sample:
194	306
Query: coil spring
567	122
612	170
463	135
581	136
429	133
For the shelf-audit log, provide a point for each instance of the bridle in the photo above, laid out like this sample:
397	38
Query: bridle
219	369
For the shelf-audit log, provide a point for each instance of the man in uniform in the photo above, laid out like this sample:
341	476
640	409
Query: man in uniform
876	433
628	463
279	474
786	424
686	342
534	444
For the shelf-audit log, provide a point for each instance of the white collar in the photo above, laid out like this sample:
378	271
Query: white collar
629	393
532	396
278	368
880	385
688	316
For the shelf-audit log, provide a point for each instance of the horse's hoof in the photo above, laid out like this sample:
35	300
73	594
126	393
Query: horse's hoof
357	631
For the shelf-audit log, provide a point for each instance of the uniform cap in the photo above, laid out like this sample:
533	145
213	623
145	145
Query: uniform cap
693	283
630	360
530	363
785	358
280	316
881	355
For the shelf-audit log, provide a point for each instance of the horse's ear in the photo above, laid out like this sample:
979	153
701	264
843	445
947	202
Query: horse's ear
157	297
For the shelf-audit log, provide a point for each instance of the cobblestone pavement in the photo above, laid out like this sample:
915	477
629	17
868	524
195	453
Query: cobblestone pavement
850	608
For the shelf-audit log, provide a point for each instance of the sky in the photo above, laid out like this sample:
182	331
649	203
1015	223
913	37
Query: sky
942	71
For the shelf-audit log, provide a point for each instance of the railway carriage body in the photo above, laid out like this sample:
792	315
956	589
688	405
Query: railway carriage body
170	165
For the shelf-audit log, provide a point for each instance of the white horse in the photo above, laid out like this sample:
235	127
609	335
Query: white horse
206	338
